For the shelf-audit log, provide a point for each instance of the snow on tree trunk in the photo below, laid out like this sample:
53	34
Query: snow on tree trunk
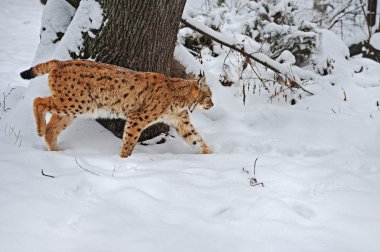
56	19
139	35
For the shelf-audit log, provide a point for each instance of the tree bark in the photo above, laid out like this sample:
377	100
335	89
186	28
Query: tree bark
371	15
138	35
366	49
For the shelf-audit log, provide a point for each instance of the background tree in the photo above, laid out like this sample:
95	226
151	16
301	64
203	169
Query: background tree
350	17
371	14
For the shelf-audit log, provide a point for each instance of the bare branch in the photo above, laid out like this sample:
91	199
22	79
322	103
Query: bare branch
76	161
10	131
3	105
114	169
46	175
254	166
253	180
367	21
344	95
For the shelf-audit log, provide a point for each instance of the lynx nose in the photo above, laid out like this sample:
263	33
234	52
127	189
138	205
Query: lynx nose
209	105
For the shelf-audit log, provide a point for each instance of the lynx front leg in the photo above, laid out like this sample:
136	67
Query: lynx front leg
41	106
136	123
55	126
187	131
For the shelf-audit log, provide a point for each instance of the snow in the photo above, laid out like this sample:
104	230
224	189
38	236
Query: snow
88	17
12	63
319	162
187	60
332	51
56	18
60	17
375	41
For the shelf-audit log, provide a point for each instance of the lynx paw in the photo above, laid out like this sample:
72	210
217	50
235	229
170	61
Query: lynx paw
125	153
206	151
41	131
54	148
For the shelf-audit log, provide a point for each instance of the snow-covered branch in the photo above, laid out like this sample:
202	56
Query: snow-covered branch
260	58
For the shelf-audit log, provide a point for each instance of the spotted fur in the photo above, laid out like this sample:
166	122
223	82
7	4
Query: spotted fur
83	88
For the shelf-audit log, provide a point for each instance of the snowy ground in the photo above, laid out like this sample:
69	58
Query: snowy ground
319	161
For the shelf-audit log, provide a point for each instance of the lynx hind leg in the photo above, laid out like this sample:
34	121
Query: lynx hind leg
41	107
187	131
55	126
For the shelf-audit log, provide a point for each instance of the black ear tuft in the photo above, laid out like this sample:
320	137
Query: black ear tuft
202	81
200	74
27	74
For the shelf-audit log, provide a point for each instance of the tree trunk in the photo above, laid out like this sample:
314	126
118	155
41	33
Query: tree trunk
371	15
138	35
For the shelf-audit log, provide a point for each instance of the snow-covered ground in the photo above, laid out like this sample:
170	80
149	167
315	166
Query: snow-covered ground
319	161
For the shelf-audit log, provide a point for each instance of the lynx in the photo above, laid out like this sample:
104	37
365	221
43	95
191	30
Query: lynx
83	88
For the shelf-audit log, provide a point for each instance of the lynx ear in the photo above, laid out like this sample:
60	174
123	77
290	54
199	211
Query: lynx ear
202	82
194	91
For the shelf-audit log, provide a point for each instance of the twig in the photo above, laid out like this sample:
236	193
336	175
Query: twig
11	131
253	180
259	77
224	61
244	95
46	175
244	170
336	18
5	96
345	96
85	168
254	166
114	169
367	22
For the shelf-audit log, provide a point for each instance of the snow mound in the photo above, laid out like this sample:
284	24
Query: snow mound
375	41
88	17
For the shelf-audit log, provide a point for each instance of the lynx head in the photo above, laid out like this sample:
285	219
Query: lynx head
203	100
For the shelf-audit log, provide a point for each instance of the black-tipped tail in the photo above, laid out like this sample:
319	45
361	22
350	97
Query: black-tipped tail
28	74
